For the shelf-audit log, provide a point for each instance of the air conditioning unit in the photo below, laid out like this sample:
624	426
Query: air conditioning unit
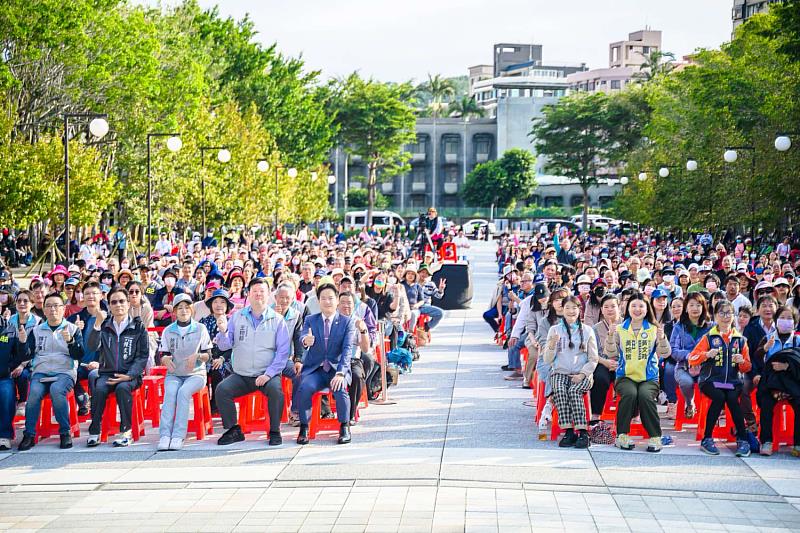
451	158
387	187
418	186
481	158
418	157
450	187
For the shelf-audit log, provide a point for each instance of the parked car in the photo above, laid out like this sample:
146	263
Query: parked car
381	220
553	222
470	225
595	221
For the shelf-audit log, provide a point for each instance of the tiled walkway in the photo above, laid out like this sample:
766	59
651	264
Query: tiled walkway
458	451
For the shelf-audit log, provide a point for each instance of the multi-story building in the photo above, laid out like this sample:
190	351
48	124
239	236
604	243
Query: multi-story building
625	59
513	91
744	9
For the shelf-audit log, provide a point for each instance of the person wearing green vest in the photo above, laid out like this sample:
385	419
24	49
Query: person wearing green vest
637	344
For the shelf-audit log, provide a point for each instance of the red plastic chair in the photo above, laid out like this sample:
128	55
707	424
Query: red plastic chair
447	252
47	426
153	392
555	429
541	399
609	413
721	431
200	424
783	424
110	424
680	409
316	422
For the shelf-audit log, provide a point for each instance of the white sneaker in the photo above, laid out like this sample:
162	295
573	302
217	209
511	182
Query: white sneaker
163	444
547	411
5	445
93	440
20	409
126	439
176	444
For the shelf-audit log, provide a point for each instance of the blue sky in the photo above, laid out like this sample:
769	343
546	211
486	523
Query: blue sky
405	39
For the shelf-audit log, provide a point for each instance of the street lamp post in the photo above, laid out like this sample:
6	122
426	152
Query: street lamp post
263	166
730	156
98	127
223	156
174	144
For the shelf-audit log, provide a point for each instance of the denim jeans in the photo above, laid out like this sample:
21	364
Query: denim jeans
178	392
514	360
58	390
670	383
434	312
8	408
686	382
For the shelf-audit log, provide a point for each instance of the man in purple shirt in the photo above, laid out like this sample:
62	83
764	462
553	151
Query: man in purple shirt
260	342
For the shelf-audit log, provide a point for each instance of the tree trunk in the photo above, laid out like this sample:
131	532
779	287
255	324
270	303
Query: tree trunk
371	184
585	221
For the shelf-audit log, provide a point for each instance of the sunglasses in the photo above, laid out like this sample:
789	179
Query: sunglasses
117	302
134	292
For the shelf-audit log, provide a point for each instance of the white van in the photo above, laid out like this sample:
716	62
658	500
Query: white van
381	220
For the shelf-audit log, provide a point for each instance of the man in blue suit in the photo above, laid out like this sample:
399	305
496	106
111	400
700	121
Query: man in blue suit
329	338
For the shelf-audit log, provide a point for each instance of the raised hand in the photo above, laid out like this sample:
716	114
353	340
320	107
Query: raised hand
79	323
222	324
308	340
66	335
22	334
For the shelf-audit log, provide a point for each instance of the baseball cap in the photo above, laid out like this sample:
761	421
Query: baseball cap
320	273
181	298
781	281
658	293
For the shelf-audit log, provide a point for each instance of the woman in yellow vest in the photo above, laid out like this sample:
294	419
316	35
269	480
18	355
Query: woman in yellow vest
637	344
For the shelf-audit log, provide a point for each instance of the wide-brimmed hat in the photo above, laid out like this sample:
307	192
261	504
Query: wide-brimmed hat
59	269
220	293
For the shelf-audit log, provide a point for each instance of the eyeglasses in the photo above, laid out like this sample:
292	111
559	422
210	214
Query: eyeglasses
134	292
53	306
725	313
117	302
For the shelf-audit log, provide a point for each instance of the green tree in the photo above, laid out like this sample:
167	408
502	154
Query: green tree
584	133
375	122
359	199
501	182
465	107
657	63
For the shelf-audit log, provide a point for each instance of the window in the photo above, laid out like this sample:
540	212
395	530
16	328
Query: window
418	175
451	145
645	50
482	146
420	147
576	200
615	54
553	201
615	84
451	173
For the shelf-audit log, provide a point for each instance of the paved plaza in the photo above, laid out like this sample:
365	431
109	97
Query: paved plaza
458	451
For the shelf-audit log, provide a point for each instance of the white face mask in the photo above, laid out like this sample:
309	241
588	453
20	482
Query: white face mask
711	286
583	288
169	282
668	279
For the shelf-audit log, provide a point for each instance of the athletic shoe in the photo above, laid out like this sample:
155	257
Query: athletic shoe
795	451
583	440
125	440
176	444
624	442
163	444
5	445
742	448
766	449
708	446
568	440
654	444
93	440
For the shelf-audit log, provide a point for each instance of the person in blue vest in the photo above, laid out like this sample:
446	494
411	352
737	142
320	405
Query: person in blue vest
260	341
12	353
328	337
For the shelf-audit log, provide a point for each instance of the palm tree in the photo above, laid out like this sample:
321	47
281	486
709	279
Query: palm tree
656	63
464	108
440	89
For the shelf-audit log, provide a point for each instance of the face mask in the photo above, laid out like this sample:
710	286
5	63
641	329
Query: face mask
711	286
604	256
753	256
295	261
759	271
784	325
697	258
169	282
649	290
583	289
599	292
668	279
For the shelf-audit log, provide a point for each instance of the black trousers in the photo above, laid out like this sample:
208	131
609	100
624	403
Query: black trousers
235	385
124	393
362	370
719	399
603	378
766	402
